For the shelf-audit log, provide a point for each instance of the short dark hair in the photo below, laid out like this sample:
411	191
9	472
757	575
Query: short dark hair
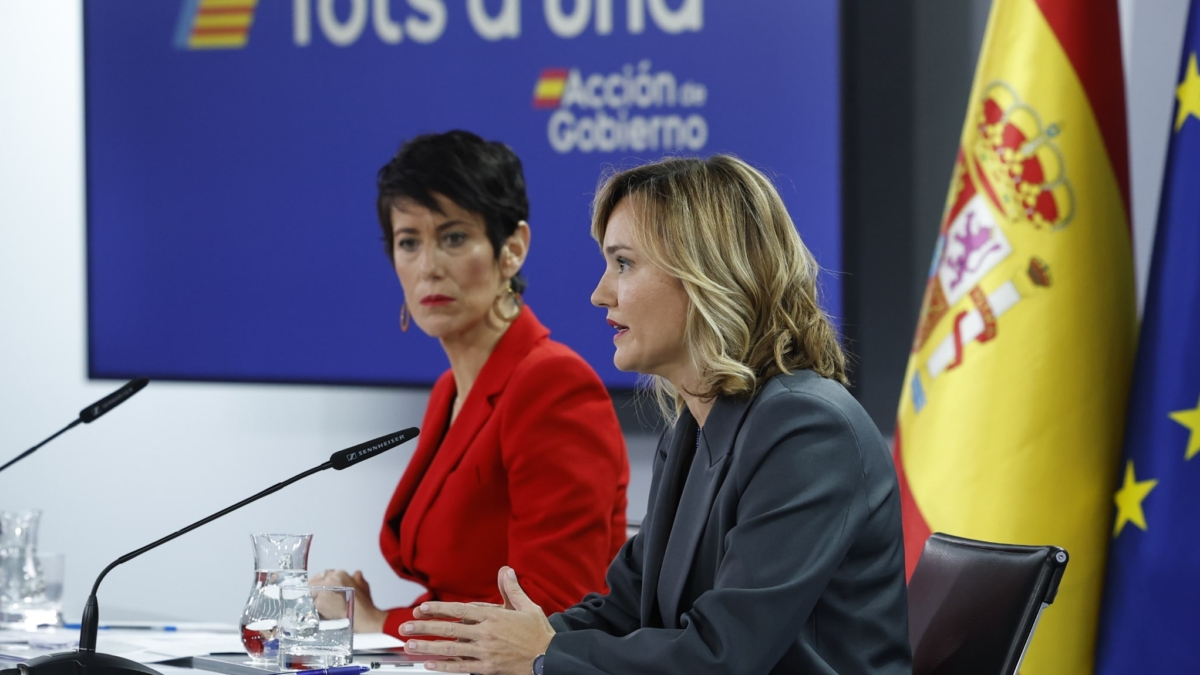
484	177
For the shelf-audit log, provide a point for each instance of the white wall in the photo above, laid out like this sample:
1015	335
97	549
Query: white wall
102	487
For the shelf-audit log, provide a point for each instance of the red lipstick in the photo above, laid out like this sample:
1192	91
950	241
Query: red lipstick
621	330
436	300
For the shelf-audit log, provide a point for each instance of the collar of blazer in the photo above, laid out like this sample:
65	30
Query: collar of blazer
666	571
721	428
516	343
441	455
521	337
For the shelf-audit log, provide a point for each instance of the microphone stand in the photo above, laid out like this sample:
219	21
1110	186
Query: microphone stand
88	415
75	422
87	661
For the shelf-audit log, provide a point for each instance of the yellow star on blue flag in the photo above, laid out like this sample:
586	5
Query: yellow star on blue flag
1187	94
1191	420
1129	500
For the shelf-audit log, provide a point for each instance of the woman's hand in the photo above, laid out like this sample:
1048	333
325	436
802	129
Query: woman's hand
491	640
367	617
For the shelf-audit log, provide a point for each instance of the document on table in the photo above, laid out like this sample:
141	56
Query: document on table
151	646
17	646
372	641
143	646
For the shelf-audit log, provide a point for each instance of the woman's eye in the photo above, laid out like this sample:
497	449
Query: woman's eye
622	264
407	244
456	238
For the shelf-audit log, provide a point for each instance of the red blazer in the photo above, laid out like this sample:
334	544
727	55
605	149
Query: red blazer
531	474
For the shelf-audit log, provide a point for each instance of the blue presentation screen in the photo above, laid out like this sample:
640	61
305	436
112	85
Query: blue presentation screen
232	147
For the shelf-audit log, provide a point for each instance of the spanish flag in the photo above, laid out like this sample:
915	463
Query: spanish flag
1011	416
548	91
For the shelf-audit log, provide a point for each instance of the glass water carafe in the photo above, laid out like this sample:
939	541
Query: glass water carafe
279	560
21	583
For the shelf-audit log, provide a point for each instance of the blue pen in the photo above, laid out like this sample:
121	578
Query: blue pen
336	670
169	629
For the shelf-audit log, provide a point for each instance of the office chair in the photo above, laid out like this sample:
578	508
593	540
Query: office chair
973	605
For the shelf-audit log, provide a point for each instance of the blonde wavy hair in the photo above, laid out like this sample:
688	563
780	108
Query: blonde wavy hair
719	226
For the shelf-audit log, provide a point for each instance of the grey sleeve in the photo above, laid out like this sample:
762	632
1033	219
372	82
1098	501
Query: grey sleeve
801	505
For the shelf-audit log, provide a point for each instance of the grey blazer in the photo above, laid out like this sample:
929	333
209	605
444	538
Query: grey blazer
777	549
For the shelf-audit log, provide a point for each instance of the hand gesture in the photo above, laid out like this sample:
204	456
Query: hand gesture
490	640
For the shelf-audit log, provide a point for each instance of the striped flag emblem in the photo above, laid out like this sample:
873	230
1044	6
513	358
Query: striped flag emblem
548	91
214	24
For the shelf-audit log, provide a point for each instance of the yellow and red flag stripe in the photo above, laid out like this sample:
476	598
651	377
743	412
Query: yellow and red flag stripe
215	24
548	91
1009	425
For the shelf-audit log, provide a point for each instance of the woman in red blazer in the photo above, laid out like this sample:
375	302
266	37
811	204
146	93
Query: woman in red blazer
520	452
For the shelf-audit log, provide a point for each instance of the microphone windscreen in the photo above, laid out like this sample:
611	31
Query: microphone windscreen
95	410
351	456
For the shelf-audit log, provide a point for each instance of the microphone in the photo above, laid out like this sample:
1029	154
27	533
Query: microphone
87	661
94	411
89	414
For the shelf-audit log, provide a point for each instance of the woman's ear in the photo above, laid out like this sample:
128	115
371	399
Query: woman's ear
515	250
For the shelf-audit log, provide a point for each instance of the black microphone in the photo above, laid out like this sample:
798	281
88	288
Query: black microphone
94	411
87	661
89	414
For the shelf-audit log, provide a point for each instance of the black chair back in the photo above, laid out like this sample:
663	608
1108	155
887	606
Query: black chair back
973	605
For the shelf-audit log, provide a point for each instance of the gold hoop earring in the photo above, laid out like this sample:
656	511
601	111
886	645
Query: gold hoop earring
511	296
405	317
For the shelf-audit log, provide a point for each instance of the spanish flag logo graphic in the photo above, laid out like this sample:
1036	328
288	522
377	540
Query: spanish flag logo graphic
214	24
548	91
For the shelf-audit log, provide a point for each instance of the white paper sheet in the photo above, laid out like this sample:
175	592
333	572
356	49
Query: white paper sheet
370	641
152	645
145	646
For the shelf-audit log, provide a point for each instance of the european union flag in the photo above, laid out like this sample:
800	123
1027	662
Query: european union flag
1150	621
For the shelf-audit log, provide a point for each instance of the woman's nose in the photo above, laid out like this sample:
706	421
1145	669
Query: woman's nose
429	262
602	295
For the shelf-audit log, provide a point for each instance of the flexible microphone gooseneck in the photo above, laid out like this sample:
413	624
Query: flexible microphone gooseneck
89	414
87	661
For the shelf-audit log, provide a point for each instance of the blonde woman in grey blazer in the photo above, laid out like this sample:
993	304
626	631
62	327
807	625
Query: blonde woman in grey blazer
772	542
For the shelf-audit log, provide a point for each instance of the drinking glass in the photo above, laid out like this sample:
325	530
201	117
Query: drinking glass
280	561
46	609
316	627
21	580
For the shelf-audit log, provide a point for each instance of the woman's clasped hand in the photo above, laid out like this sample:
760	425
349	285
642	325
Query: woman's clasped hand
367	617
487	639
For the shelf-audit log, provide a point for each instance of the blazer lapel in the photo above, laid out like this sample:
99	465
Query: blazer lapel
432	429
516	343
704	479
521	337
663	511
